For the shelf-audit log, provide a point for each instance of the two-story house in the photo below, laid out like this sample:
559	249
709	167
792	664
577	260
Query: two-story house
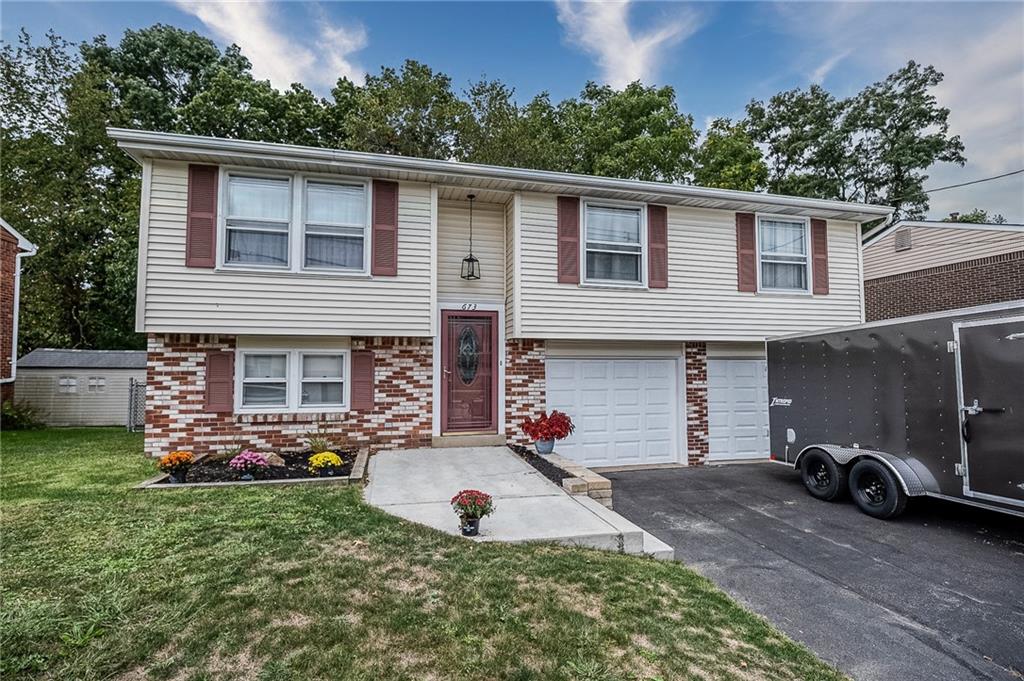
281	287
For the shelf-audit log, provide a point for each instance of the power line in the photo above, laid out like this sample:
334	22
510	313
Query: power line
984	179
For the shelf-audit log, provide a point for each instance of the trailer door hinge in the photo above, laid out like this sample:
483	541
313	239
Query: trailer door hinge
952	346
958	470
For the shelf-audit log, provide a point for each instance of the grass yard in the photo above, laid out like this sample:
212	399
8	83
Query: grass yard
101	581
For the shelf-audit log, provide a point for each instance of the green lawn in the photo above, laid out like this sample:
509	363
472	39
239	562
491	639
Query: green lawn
102	581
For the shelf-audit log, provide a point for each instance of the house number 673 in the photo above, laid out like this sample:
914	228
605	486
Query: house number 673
469	306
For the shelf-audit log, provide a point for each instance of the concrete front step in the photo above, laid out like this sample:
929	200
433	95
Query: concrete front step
443	441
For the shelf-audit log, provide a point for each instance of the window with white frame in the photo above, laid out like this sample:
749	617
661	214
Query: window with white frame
275	380
67	384
613	243
335	225
783	253
97	384
258	219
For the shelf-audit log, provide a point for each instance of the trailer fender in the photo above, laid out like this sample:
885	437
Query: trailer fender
909	480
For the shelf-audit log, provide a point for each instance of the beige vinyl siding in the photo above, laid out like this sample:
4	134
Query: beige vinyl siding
737	351
488	247
196	300
701	301
39	388
510	269
935	246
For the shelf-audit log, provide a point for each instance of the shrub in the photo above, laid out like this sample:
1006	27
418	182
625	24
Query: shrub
324	460
176	462
319	440
249	461
19	416
472	504
557	426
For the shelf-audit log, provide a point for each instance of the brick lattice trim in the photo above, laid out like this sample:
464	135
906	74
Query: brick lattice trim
697	443
525	385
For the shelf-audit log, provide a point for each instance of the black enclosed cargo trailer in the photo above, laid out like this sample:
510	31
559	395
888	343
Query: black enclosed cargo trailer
931	405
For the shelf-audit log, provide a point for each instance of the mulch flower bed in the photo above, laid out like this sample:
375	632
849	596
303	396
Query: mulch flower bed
543	465
296	465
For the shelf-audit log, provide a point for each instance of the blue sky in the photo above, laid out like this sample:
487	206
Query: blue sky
716	55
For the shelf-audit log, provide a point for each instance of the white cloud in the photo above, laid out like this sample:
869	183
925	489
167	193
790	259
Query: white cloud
819	74
277	56
601	29
979	49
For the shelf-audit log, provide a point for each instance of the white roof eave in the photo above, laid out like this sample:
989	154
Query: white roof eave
142	144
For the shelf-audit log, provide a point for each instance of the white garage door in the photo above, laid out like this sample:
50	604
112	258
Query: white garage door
626	411
737	409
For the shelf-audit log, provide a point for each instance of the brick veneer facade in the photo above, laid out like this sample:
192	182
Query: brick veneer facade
697	444
995	279
175	385
8	269
525	391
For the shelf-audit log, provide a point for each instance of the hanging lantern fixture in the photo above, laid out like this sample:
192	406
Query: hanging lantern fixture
470	265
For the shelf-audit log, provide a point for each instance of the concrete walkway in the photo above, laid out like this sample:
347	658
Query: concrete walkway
418	484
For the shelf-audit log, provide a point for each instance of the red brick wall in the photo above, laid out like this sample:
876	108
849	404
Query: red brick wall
8	269
696	359
995	279
175	384
524	385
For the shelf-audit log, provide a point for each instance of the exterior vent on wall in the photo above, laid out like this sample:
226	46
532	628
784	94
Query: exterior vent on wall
902	239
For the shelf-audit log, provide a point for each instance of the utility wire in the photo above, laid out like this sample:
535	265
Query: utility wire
984	179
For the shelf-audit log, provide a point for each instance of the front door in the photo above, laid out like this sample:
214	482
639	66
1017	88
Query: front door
469	372
991	355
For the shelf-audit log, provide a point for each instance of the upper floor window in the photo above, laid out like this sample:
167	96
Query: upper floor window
612	237
329	220
258	218
783	253
335	227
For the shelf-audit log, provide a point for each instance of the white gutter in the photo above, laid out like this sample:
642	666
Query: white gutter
25	249
144	141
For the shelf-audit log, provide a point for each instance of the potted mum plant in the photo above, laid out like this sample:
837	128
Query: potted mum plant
176	465
248	463
324	464
471	505
548	428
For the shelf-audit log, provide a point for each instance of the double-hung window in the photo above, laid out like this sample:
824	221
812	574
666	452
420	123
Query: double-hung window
284	380
258	220
614	248
67	384
784	253
335	226
97	384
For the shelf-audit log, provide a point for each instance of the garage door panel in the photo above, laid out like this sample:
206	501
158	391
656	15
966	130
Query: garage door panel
624	410
737	409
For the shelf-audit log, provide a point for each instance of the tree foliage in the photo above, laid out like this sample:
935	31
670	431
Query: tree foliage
977	216
68	188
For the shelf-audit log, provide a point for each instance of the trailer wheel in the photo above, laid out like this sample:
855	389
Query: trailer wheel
822	476
875	490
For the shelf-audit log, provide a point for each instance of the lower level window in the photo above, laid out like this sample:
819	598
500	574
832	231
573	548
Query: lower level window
293	379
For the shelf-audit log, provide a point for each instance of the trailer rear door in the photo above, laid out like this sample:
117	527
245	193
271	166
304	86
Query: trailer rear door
990	356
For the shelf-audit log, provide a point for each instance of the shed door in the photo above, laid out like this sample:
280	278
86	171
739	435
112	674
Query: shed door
737	409
991	355
626	411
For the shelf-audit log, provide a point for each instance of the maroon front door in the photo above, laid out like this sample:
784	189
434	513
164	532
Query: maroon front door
469	371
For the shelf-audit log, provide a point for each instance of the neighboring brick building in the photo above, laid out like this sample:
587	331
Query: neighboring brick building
13	247
919	267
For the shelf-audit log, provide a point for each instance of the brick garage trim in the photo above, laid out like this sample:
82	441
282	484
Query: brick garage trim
175	416
995	279
525	385
696	401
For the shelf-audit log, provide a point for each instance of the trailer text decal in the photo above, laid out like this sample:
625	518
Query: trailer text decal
781	402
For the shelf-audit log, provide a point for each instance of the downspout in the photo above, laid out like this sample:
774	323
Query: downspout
22	253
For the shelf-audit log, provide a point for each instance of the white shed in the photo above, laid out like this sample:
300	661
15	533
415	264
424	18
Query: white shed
79	387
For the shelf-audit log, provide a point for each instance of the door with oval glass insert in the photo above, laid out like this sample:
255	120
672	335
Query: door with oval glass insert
469	371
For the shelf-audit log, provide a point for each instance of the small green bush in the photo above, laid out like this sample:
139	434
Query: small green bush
19	417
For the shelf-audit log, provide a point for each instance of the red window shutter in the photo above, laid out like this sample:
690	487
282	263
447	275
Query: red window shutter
220	382
385	229
819	253
746	253
201	223
362	379
657	246
568	240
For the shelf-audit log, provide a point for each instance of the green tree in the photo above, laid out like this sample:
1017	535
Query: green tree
978	215
729	159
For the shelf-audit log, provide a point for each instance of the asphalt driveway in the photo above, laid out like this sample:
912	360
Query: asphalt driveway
935	594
